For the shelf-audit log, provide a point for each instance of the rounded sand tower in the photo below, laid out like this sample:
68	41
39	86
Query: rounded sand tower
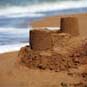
70	25
40	39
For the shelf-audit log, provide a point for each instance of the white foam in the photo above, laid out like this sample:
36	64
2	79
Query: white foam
11	48
32	10
49	28
14	30
24	30
53	28
23	15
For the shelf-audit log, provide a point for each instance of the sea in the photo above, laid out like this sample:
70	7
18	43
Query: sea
16	16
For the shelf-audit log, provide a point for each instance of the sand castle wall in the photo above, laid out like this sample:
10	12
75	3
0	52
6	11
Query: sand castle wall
47	39
60	39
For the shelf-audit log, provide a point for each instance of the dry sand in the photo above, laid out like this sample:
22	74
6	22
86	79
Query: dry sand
13	74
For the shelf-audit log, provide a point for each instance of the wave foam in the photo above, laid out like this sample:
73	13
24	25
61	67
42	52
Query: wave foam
11	48
14	30
33	10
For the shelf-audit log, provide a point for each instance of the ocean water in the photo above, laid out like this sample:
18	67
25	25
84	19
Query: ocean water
16	16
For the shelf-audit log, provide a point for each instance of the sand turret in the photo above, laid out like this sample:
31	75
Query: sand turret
70	25
40	39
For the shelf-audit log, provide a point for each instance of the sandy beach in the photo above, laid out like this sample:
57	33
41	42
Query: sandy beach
15	74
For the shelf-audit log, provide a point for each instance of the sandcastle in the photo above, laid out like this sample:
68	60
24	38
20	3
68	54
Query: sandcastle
55	50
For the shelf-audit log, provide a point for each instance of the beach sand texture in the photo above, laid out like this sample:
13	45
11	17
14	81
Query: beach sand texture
14	75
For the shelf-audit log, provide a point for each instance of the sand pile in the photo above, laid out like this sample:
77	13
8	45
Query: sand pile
56	59
53	50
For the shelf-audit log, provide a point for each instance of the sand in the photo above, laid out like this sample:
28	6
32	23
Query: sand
15	74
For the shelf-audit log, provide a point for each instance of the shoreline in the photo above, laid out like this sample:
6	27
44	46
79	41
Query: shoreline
11	48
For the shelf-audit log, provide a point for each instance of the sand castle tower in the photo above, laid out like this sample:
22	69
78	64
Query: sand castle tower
40	39
70	25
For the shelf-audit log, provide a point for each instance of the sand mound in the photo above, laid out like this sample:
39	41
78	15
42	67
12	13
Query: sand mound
57	59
